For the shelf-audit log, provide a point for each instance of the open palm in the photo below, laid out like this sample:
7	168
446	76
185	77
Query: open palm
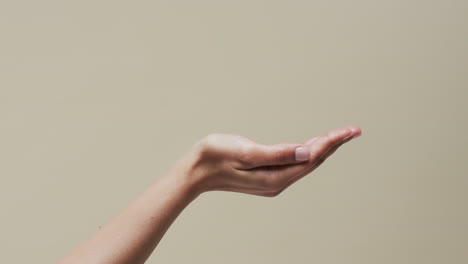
235	163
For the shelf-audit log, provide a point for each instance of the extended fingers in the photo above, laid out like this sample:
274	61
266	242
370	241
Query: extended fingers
331	138
253	155
278	178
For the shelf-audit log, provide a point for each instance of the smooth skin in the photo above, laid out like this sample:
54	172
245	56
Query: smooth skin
218	162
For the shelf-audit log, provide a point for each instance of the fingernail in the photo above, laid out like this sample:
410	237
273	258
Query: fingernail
302	154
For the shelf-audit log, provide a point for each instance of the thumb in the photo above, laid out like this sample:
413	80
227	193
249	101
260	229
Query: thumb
278	154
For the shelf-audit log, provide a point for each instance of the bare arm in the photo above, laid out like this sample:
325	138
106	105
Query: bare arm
132	235
219	162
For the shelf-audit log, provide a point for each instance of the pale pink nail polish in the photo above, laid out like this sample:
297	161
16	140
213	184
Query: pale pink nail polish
302	154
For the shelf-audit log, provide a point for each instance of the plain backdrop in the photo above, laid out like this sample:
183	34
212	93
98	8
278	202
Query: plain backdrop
99	98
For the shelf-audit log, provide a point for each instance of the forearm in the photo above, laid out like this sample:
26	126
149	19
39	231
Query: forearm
218	162
132	235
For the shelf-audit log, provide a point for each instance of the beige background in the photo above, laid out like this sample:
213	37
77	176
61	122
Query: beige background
98	98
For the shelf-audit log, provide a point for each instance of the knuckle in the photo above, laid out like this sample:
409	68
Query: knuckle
280	156
245	154
327	143
245	150
209	140
206	144
322	142
322	146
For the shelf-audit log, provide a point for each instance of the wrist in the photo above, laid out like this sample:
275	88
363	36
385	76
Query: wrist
186	176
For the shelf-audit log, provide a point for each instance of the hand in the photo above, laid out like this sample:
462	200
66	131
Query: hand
234	163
